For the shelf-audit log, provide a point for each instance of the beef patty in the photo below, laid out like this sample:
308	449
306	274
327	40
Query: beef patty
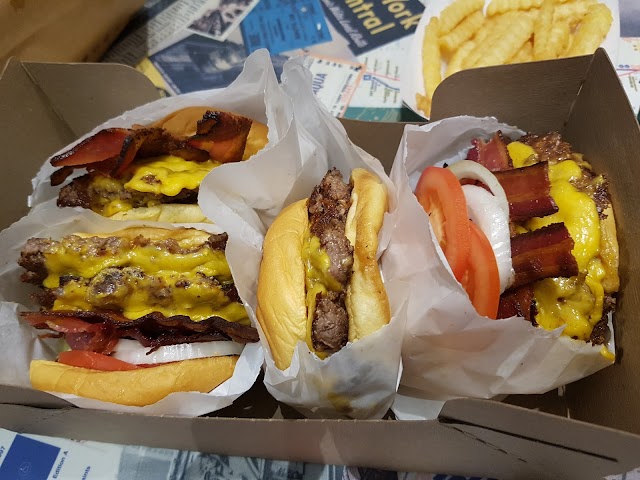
328	207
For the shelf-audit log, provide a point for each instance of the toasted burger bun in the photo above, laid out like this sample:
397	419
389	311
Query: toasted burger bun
183	123
139	387
186	237
282	310
168	213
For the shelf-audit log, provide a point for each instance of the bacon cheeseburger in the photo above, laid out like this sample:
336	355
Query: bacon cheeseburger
530	233
154	172
144	311
319	279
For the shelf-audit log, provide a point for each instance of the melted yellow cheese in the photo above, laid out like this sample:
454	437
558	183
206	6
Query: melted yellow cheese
116	206
318	279
101	203
64	261
575	209
165	175
606	353
522	155
198	300
168	175
575	302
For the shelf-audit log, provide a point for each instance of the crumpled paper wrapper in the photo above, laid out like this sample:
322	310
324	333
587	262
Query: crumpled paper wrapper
412	81
255	93
19	342
449	350
360	380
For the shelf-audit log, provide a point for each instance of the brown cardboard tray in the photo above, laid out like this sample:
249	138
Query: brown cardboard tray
591	431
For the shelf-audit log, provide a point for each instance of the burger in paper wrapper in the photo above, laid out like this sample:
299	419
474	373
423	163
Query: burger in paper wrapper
519	228
312	226
153	172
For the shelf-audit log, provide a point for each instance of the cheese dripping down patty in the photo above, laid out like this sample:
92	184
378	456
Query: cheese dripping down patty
577	302
141	279
318	280
146	182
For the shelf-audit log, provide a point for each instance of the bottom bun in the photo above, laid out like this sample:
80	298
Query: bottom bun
168	213
138	387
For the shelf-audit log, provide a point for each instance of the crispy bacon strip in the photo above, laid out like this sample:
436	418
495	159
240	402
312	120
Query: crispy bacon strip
103	337
528	191
154	325
103	145
518	303
543	253
130	147
492	155
113	150
80	335
223	135
61	175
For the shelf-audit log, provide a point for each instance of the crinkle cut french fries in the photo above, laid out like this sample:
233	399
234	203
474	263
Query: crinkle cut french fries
511	31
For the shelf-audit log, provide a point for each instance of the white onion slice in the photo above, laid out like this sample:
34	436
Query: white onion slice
132	352
484	210
474	171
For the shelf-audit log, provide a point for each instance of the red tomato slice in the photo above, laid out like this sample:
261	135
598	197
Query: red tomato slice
481	281
94	361
440	194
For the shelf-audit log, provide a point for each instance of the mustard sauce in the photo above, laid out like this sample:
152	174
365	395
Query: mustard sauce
318	279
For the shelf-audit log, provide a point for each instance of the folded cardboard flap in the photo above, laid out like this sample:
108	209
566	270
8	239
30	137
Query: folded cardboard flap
535	96
561	442
557	462
401	446
46	106
604	124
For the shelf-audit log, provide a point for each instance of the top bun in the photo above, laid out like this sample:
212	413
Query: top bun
183	122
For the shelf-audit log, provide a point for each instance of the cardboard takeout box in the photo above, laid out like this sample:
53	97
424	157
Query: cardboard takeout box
591	431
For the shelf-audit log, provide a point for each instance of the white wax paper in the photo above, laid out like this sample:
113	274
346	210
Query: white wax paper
449	350
255	93
412	81
19	342
360	380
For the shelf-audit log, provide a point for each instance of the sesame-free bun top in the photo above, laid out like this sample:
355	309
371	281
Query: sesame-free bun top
183	123
282	311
